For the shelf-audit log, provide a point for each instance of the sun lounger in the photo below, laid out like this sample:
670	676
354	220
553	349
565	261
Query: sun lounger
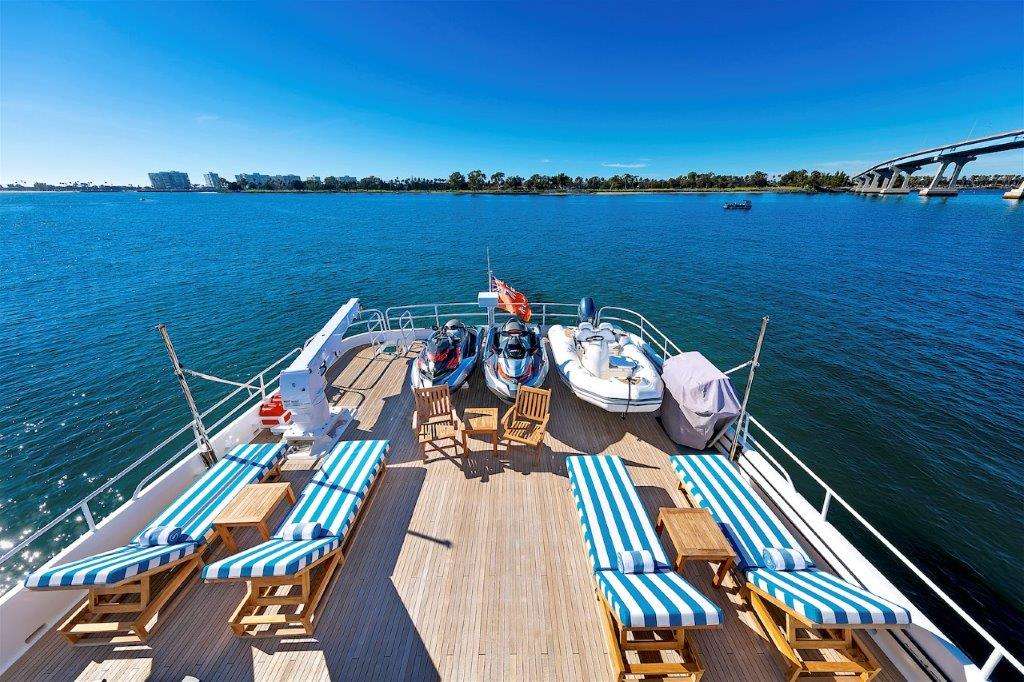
137	580
641	611
333	500
826	606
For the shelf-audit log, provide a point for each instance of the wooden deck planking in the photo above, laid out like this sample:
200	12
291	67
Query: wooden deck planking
463	575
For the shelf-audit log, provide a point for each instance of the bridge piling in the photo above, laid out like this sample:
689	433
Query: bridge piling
1017	194
936	188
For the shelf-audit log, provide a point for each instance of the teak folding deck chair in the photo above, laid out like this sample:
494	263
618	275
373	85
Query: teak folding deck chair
650	613
434	420
288	578
129	587
800	610
526	421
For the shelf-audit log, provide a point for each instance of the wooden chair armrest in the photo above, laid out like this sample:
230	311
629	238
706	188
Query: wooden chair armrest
509	413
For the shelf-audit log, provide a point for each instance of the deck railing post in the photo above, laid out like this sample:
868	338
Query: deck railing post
990	664
87	513
263	387
825	503
437	317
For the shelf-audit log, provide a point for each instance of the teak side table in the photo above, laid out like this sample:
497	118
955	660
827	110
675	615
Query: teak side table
697	537
251	507
481	421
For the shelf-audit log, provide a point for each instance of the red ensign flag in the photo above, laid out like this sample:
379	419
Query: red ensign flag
513	301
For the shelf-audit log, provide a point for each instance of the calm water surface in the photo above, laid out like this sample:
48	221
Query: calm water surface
893	365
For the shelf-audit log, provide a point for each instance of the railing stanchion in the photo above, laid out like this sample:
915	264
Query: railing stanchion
825	504
990	664
263	387
87	513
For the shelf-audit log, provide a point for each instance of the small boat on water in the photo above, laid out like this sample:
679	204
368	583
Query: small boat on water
604	365
448	357
513	356
738	205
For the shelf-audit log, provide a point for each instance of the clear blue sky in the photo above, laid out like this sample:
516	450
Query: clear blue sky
109	92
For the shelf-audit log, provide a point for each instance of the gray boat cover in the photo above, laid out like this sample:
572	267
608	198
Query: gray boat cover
699	400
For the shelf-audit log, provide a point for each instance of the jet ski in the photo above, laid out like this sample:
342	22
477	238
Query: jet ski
514	356
448	357
604	365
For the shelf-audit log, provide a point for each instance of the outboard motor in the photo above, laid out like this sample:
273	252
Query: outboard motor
588	311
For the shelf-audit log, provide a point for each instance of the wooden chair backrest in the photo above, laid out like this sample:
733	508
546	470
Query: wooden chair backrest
533	403
434	401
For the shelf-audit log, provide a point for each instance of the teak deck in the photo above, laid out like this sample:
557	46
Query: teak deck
475	574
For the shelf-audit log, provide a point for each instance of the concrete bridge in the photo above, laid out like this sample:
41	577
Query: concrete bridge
893	176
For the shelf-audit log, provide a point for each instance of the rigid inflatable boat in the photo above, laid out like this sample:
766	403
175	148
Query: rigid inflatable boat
604	365
513	356
448	357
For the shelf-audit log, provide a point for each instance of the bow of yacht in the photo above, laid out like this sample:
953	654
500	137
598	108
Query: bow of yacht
480	565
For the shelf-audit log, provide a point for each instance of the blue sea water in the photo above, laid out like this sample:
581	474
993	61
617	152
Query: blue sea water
893	364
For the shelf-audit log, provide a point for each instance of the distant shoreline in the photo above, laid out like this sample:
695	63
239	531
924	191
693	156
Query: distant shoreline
497	192
149	190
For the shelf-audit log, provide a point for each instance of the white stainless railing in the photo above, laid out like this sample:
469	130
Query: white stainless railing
82	506
999	652
369	318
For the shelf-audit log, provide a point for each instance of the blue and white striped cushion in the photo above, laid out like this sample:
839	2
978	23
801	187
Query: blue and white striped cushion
352	465
192	513
782	559
714	483
196	508
300	531
110	567
611	515
640	561
647	600
333	496
275	557
162	535
332	499
824	599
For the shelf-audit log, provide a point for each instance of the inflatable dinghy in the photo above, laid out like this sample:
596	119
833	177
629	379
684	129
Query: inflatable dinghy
606	366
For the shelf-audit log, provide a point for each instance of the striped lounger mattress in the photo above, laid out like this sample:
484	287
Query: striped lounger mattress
193	512
713	482
614	520
332	498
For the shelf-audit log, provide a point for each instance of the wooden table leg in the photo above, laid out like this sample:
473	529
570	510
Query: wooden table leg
290	494
264	531
723	570
494	443
229	542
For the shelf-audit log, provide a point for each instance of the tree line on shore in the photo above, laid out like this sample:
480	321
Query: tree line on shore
478	181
